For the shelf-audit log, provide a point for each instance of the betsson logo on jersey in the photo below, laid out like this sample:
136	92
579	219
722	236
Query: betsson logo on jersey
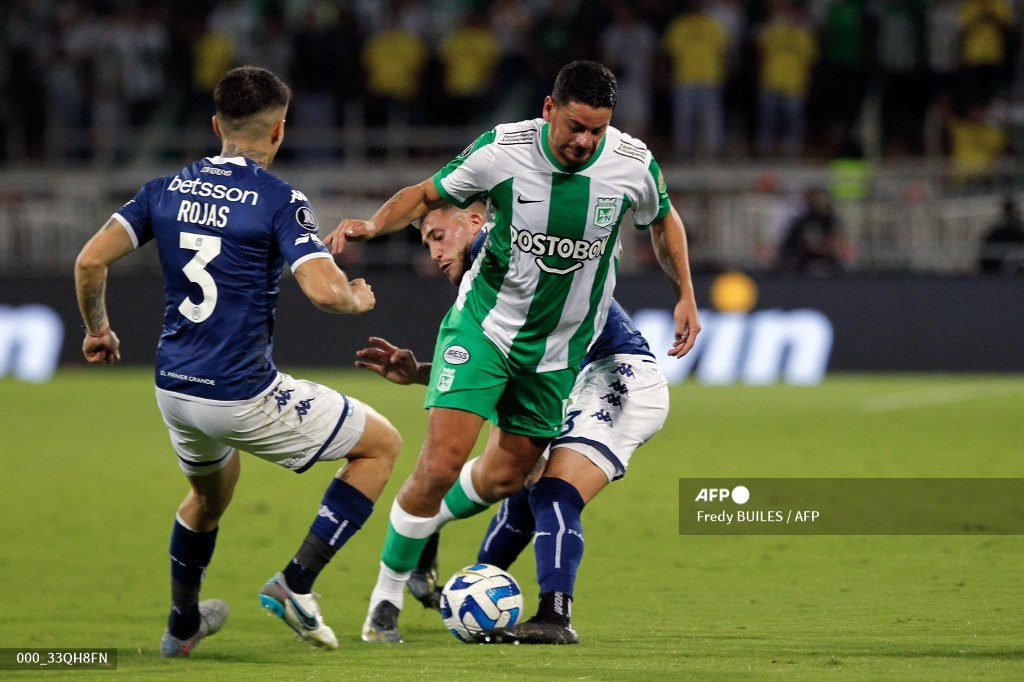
212	190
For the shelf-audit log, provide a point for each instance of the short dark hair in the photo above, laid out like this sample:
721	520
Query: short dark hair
586	82
249	90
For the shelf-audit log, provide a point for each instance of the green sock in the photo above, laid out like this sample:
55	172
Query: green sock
401	553
460	504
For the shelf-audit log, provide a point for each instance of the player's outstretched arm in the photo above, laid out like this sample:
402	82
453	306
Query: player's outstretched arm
401	210
106	246
669	238
327	287
395	364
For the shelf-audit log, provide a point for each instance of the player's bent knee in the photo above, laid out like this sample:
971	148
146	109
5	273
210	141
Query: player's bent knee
497	485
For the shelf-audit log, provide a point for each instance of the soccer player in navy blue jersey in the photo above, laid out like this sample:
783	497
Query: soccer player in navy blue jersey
224	227
619	401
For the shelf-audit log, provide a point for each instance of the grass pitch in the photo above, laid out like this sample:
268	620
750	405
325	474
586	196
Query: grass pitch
90	488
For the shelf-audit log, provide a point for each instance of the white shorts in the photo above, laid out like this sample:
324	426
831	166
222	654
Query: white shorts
293	423
616	405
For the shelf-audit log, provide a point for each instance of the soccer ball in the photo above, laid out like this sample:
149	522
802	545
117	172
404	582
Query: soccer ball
478	599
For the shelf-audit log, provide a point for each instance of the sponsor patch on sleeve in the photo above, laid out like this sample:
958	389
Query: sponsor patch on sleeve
517	137
631	151
305	217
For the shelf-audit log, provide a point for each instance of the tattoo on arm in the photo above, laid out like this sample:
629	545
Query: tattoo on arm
96	305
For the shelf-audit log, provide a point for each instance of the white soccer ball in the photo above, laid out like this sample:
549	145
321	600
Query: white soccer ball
478	599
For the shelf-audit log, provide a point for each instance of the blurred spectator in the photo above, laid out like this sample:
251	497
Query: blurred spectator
986	37
26	77
943	60
976	145
68	83
738	93
628	47
789	50
469	55
1002	247
325	48
238	21
840	88
142	43
697	45
554	41
814	243
394	60
900	53
511	23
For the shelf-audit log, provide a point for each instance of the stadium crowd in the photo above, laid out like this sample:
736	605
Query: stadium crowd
705	78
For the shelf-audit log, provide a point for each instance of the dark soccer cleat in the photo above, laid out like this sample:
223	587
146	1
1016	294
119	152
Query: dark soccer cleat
382	624
212	614
424	588
423	580
533	632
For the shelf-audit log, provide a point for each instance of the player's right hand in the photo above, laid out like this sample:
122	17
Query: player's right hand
395	364
365	299
349	229
102	349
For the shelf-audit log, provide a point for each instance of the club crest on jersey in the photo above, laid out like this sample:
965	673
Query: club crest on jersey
444	381
456	355
305	217
605	211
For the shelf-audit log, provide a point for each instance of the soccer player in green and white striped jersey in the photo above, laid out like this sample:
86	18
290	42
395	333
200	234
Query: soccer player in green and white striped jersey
510	347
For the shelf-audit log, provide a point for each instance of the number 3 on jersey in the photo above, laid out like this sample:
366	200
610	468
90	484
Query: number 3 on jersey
207	248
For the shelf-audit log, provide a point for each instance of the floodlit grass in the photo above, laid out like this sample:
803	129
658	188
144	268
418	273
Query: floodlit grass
90	488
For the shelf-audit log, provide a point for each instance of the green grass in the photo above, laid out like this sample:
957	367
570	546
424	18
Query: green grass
90	487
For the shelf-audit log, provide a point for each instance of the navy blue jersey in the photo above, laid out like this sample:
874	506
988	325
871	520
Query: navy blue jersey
224	227
619	336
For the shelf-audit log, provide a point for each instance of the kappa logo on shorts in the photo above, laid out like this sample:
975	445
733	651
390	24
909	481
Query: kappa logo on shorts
444	382
456	355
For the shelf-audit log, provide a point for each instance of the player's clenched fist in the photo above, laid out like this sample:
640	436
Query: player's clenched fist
363	294
104	348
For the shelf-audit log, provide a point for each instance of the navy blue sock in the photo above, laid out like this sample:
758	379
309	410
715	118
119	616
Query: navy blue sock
190	555
558	542
343	511
509	532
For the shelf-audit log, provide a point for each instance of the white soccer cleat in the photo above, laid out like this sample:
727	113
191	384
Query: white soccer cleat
300	612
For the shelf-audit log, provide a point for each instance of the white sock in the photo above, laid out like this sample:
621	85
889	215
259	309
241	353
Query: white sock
390	587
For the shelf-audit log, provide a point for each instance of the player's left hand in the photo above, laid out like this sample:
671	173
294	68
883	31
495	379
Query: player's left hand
102	349
687	327
395	364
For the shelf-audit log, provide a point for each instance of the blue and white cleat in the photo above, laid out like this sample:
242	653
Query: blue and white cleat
212	615
300	612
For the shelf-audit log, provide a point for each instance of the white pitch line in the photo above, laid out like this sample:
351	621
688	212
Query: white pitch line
940	395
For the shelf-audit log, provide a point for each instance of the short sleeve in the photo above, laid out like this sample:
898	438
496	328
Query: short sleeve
653	201
134	216
295	229
466	177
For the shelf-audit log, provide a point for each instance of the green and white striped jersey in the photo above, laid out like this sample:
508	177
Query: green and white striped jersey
541	287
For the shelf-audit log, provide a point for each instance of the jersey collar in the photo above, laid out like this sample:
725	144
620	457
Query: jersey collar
237	160
554	159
